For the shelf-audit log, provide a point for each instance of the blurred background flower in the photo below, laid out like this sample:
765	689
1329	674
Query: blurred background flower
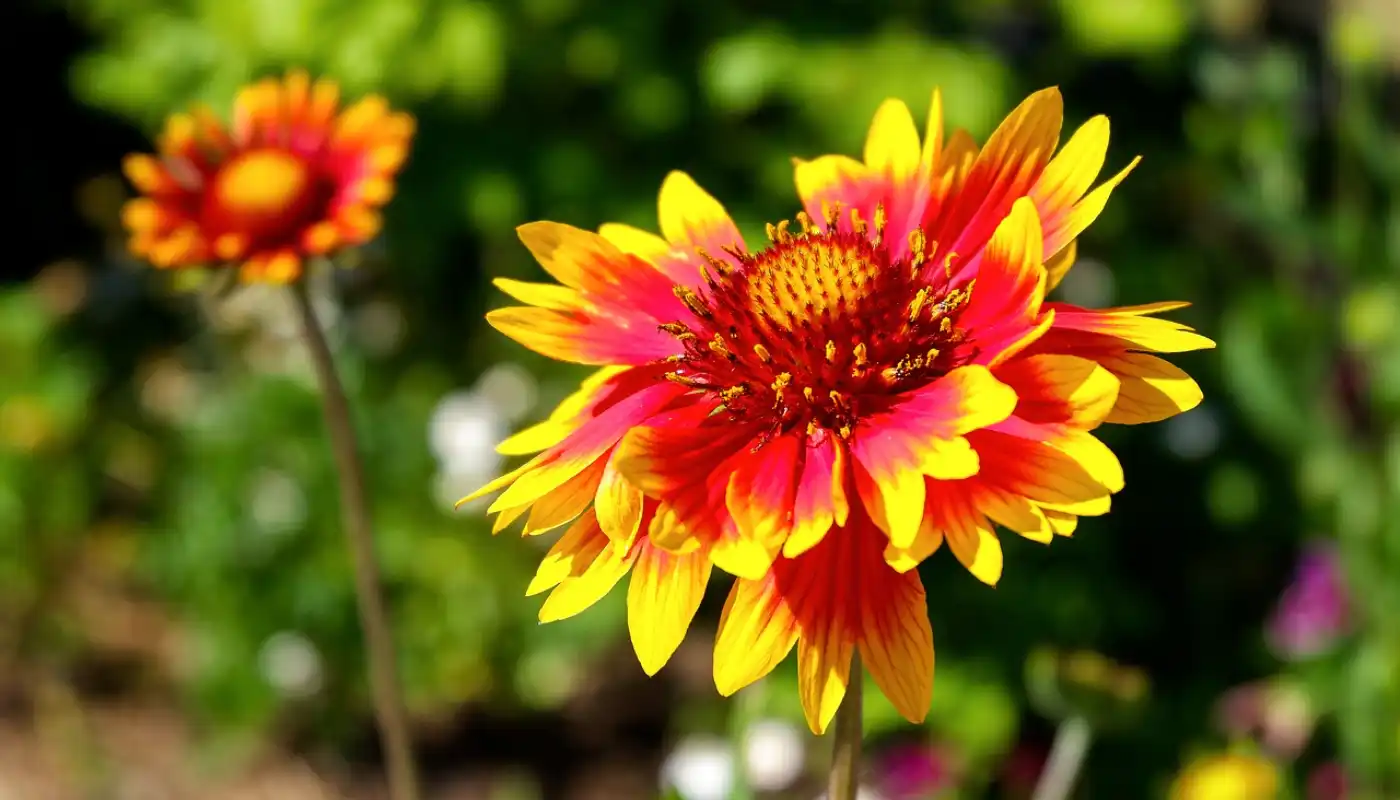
1227	776
1313	612
176	614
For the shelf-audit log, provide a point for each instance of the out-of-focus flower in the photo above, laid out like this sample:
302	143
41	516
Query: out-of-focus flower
1327	782
914	772
1227	776
1313	612
819	415
1278	712
291	664
292	177
774	755
700	768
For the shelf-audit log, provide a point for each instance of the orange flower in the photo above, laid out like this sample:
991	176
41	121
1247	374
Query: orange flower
293	177
817	416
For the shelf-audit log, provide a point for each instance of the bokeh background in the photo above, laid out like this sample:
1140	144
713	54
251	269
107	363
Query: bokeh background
176	612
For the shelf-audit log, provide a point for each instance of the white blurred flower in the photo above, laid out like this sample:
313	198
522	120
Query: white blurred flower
774	754
700	768
510	388
463	433
276	502
290	664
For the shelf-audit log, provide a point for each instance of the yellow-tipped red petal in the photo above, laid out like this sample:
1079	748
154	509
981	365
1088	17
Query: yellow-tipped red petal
968	534
1010	281
762	488
894	498
1061	389
821	500
922	432
1004	171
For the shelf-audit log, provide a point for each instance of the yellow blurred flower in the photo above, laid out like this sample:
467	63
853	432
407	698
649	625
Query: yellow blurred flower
1227	776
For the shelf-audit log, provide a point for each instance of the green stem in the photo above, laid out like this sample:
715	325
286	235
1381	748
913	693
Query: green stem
355	516
845	752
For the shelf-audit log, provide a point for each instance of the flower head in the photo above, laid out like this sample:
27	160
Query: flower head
294	176
819	414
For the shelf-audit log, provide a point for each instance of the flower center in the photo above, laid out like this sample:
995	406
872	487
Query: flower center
263	193
816	326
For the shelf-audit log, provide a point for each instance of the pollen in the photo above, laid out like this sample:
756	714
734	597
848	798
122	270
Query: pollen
819	326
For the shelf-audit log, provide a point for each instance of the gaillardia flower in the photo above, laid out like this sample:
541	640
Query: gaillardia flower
293	177
820	413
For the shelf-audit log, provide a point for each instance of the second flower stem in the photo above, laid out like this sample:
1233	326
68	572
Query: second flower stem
354	508
1067	755
845	750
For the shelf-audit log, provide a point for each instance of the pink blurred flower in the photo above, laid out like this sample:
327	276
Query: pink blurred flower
915	771
1313	611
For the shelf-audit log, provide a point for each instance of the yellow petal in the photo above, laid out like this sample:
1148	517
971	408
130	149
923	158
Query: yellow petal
691	216
892	147
662	597
542	295
977	547
643	244
1084	213
1058	265
1073	170
894	500
570	557
1151	389
933	134
575	594
756	632
618	504
823	670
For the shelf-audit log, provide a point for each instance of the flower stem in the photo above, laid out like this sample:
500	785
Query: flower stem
845	750
354	509
1066	759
